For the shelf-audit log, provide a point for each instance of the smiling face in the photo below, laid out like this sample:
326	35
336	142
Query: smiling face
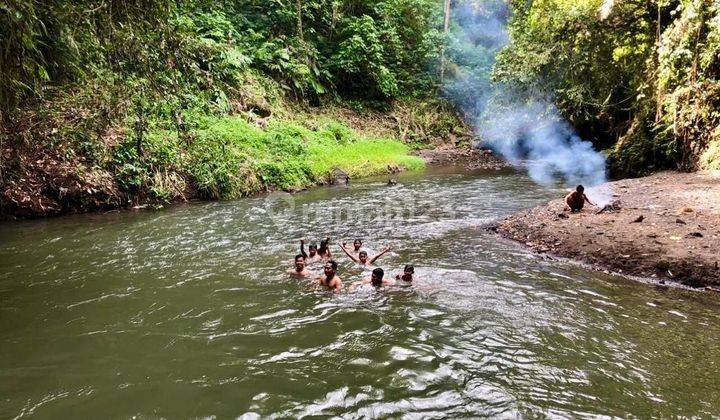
357	244
299	263
312	250
363	257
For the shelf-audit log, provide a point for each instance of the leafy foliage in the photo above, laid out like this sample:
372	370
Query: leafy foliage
638	76
230	158
171	97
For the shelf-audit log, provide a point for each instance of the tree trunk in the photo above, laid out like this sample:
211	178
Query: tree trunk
446	28
299	21
659	93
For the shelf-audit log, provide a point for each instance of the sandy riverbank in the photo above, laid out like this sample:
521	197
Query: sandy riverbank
667	227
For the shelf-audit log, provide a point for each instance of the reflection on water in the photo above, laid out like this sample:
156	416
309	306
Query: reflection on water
189	312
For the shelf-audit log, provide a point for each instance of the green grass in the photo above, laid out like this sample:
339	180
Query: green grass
363	157
229	157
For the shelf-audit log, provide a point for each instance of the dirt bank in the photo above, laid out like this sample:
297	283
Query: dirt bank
470	158
667	227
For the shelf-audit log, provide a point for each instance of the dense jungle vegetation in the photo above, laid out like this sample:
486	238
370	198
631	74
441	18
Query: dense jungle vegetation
105	103
638	77
108	102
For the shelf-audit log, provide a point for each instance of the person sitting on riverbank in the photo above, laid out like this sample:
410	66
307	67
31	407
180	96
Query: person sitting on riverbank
300	270
312	249
408	274
329	278
576	199
362	257
376	280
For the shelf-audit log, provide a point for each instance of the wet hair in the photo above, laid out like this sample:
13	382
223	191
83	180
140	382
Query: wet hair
580	188
299	256
333	264
409	268
323	245
313	246
363	253
379	273
357	240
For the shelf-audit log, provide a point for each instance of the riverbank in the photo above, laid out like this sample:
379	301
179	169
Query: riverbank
467	157
224	157
667	227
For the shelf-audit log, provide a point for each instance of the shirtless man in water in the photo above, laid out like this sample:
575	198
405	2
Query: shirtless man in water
313	252
300	270
376	279
408	274
324	249
576	199
362	257
329	278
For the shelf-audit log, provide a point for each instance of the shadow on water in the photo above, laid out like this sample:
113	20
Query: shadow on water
189	312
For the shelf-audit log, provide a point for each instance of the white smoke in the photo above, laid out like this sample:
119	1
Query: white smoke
526	130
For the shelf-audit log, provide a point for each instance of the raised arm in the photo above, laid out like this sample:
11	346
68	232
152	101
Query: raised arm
349	254
379	255
302	248
327	249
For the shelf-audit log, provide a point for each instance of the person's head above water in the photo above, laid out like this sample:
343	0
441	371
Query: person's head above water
408	273
330	269
363	257
299	262
580	189
312	249
323	246
376	278
357	244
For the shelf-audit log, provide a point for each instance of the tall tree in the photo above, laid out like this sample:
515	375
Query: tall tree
446	28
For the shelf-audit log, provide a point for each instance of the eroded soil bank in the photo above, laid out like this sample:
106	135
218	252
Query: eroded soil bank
667	227
470	158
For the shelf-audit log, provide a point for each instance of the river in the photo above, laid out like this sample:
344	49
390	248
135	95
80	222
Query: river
188	312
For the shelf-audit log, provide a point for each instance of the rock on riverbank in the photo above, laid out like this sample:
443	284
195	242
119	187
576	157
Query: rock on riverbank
667	227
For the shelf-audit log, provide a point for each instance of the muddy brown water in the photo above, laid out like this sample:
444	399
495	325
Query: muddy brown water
187	312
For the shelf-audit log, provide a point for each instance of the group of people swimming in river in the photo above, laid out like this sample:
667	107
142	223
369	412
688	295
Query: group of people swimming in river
330	279
575	202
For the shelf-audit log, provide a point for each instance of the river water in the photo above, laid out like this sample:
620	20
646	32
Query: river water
188	312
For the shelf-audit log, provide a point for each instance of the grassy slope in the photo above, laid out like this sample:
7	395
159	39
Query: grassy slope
229	157
220	156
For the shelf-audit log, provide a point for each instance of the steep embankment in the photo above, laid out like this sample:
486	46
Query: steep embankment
667	227
257	148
